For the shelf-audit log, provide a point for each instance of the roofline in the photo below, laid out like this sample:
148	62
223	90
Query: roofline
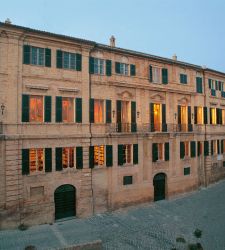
115	49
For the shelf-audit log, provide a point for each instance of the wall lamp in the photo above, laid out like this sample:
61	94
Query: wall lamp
2	108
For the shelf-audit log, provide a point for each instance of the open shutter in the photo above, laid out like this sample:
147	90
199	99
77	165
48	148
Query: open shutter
222	149
78	62
179	114
193	149
108	67
210	115
152	126
108	111
48	108
26	54
218	147
195	114
117	67
206	148
135	154
120	154
79	157
58	159
212	148
154	152
132	70
59	59
48	160
91	65
109	155
217	116
199	146
182	150
48	54
118	115
91	157
164	125
165	76
91	114
25	162
133	117
150	74
205	116
78	110
167	151
58	109
210	83
189	119
25	108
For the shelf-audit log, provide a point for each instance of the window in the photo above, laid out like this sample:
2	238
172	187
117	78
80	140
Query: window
37	56
127	180
36	110
183	78
200	148
199	115
98	111
69	60
36	160
186	149
67	109
121	68
213	115
160	152
127	153
157	116
223	116
98	66
156	75
99	155
213	147
187	171
68	157
183	114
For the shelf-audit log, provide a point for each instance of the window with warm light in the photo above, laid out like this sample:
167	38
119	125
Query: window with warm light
213	115
36	160
186	148
157	116
36	109
99	155
68	157
127	153
98	111
223	116
200	115
67	109
183	114
214	147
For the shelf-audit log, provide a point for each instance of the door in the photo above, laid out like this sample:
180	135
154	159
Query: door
65	201
159	183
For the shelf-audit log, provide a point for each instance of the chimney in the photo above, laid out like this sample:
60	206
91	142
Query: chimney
112	41
204	67
174	57
8	21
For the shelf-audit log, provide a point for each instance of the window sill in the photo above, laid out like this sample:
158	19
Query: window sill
127	165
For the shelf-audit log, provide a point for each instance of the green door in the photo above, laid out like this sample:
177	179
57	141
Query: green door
65	201
159	187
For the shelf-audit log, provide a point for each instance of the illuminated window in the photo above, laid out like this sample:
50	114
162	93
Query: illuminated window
214	147
68	157
37	56
98	66
213	115
199	115
36	160
67	109
156	75
99	155
69	60
223	116
157	116
127	153
98	111
36	109
186	149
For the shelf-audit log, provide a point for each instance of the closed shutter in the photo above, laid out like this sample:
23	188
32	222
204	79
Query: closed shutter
108	67
58	110
133	117
91	157
135	154
195	114
79	157
132	70
165	76
117	67
164	125
78	110
152	126
210	83
78	62
210	115
205	115
25	162
218	147
120	155
212	148
118	115
25	108
108	111
179	114
220	85
58	159
59	59
26	54
109	155
199	84
48	160
217	116
48	54
167	151
189	119
150	73
91	65
206	148
154	152
91	114
222	149
217	87
199	146
182	150
48	108
193	149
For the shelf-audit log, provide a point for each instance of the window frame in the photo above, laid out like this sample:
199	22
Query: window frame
70	54
102	102
38	49
73	109
99	66
69	155
36	161
100	147
130	146
43	108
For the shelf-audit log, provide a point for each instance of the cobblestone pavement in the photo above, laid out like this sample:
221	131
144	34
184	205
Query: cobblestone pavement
149	226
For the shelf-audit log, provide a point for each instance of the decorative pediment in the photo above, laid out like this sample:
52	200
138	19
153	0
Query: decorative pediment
184	100
98	54
125	95
157	98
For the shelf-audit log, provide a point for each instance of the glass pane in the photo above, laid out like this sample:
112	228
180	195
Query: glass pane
40	159
101	155
32	160
98	111
40	56
72	61
200	115
65	157
67	109
36	109
128	153
96	152
157	115
65	60
33	55
71	158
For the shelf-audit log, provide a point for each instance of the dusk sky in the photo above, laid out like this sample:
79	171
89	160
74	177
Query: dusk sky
193	29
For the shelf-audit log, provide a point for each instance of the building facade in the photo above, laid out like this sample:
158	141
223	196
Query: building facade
88	128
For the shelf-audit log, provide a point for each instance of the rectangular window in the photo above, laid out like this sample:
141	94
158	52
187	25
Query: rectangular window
124	69
186	148
198	84
36	109
127	180
68	157
68	60
157	116
199	115
67	109
37	56
214	147
213	115
223	116
98	111
127	153
99	155
187	171
156	75
98	66
160	151
183	78
36	160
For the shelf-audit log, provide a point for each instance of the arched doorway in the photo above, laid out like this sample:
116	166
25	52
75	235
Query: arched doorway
65	201
159	183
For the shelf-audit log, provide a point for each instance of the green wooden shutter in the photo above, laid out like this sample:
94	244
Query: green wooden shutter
133	117
25	162
167	151
193	149
25	108
118	114
78	110
222	149
91	65
195	114
91	114
210	115
26	54
108	111
58	109
48	54
164	125
216	83
48	108
189	119
132	70
91	157
120	155
59	59
218	147
205	115
48	160
135	154
117	67
199	145
79	157
179	114
150	73
198	84
78	62
58	159
206	148
182	150
212	148
210	83
217	116
108	67
154	152
185	79
152	125
109	155
165	76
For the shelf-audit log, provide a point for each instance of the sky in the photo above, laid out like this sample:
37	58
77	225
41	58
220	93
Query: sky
194	30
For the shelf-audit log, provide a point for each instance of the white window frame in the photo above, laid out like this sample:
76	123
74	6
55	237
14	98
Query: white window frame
99	66
124	69
37	56
71	63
